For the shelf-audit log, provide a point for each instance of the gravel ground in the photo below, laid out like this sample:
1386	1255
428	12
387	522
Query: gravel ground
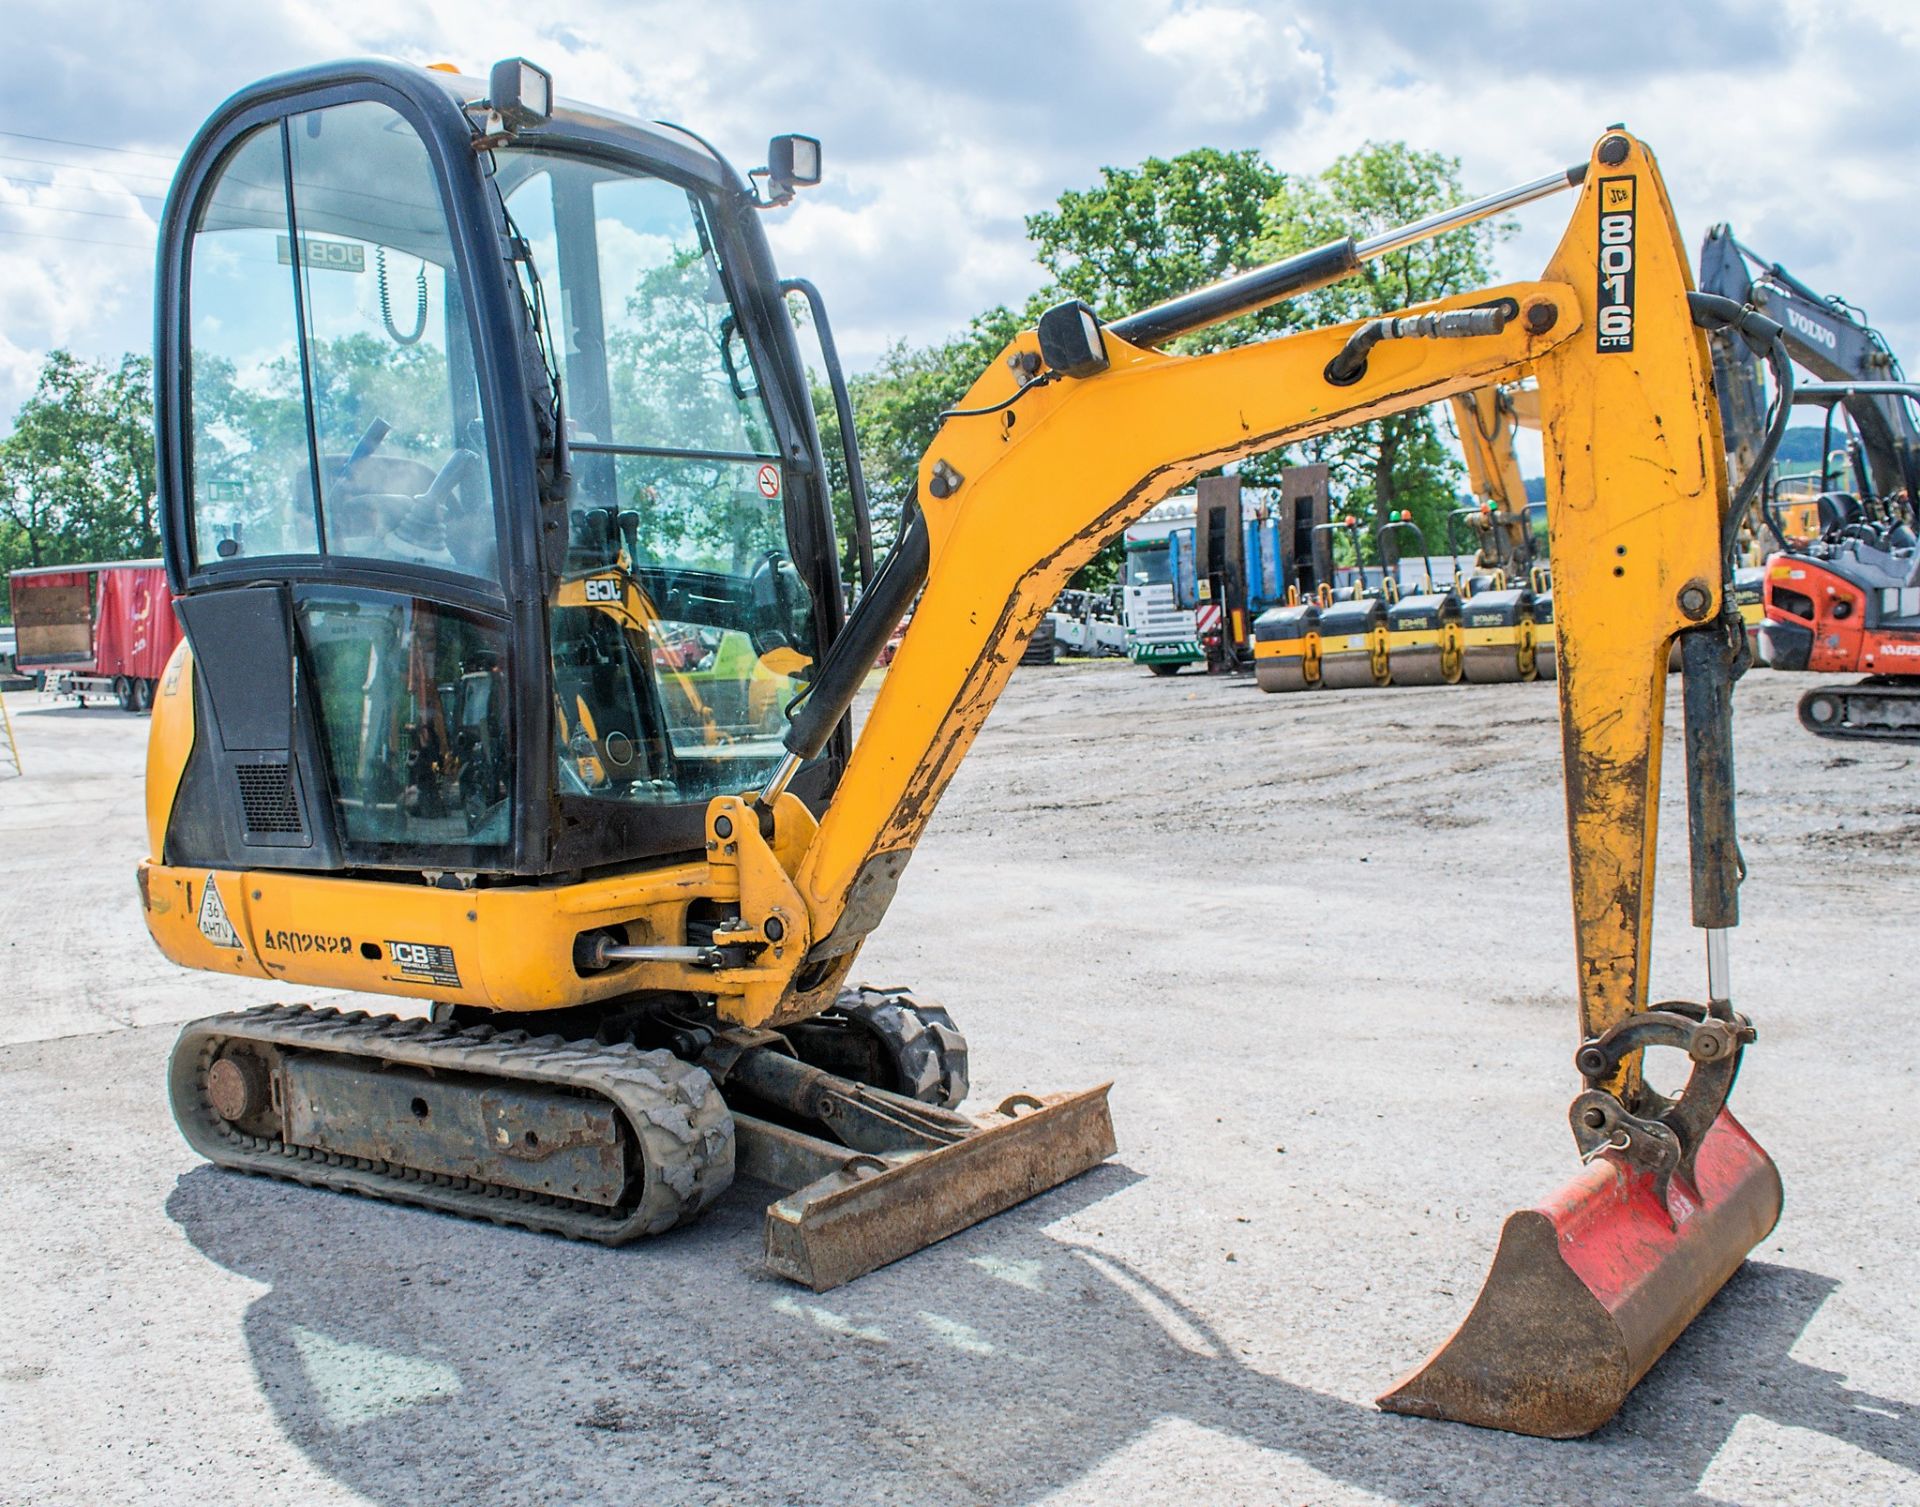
1321	944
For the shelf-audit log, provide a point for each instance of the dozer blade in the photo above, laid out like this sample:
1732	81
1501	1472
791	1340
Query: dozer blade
870	1210
1589	1288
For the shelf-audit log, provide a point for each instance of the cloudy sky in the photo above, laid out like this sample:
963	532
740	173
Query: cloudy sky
945	124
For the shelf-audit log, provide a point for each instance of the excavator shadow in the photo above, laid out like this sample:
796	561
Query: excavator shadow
420	1359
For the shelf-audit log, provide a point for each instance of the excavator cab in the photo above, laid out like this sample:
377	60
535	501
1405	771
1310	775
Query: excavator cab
512	475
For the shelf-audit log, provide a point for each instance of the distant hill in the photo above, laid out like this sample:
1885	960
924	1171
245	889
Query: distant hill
1801	443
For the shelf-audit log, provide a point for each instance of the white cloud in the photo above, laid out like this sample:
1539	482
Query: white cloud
76	250
945	125
1231	61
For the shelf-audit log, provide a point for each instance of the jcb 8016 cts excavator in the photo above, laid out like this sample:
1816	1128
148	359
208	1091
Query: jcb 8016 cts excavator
517	683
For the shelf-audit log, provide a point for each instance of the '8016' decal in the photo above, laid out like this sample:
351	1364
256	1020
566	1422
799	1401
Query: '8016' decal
1614	329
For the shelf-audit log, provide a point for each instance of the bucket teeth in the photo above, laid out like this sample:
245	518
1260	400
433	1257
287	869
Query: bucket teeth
1589	1288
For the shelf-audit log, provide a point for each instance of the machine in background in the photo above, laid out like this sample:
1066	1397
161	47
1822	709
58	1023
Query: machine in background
1842	590
1485	422
103	631
1088	624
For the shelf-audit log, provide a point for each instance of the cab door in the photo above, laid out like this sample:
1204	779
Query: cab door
338	525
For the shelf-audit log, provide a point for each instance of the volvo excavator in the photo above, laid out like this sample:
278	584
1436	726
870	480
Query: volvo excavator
1842	590
517	677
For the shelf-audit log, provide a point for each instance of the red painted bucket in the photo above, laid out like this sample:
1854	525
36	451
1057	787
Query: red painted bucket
1589	1288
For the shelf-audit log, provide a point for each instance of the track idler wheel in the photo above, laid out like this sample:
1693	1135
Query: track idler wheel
890	1039
1590	1287
1823	713
922	1047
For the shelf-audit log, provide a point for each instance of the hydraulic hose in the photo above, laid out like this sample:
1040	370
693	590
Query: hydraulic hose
1712	312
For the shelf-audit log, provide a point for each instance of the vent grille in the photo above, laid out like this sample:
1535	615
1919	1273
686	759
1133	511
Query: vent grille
267	800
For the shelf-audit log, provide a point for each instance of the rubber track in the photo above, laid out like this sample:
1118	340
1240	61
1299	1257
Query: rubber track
672	1108
929	1054
1855	723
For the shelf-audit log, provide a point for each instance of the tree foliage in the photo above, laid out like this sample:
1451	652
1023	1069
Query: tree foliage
77	472
1398	462
896	413
1144	235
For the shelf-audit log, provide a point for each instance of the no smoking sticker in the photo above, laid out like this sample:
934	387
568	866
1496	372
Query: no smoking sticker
768	481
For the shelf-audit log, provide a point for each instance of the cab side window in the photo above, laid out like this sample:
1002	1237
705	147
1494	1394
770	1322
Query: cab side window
251	492
335	406
396	415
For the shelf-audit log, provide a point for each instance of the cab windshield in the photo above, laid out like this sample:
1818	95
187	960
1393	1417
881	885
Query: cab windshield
681	629
1149	564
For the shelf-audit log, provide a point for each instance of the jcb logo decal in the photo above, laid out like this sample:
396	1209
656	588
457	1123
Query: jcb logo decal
425	960
1614	329
603	589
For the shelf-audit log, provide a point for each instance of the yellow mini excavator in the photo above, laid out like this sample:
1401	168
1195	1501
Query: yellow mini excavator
1485	422
517	678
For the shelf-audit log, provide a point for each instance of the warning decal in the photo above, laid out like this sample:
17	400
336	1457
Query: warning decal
214	925
769	481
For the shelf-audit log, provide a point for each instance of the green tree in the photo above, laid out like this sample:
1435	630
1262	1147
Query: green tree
1147	234
897	407
1398	462
77	473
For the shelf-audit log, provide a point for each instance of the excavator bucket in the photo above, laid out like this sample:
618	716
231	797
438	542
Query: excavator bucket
1590	1287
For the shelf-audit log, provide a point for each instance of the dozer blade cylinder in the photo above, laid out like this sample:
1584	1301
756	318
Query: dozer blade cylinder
876	1209
1589	1288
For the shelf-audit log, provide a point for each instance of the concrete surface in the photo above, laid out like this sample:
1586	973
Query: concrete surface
1321	944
